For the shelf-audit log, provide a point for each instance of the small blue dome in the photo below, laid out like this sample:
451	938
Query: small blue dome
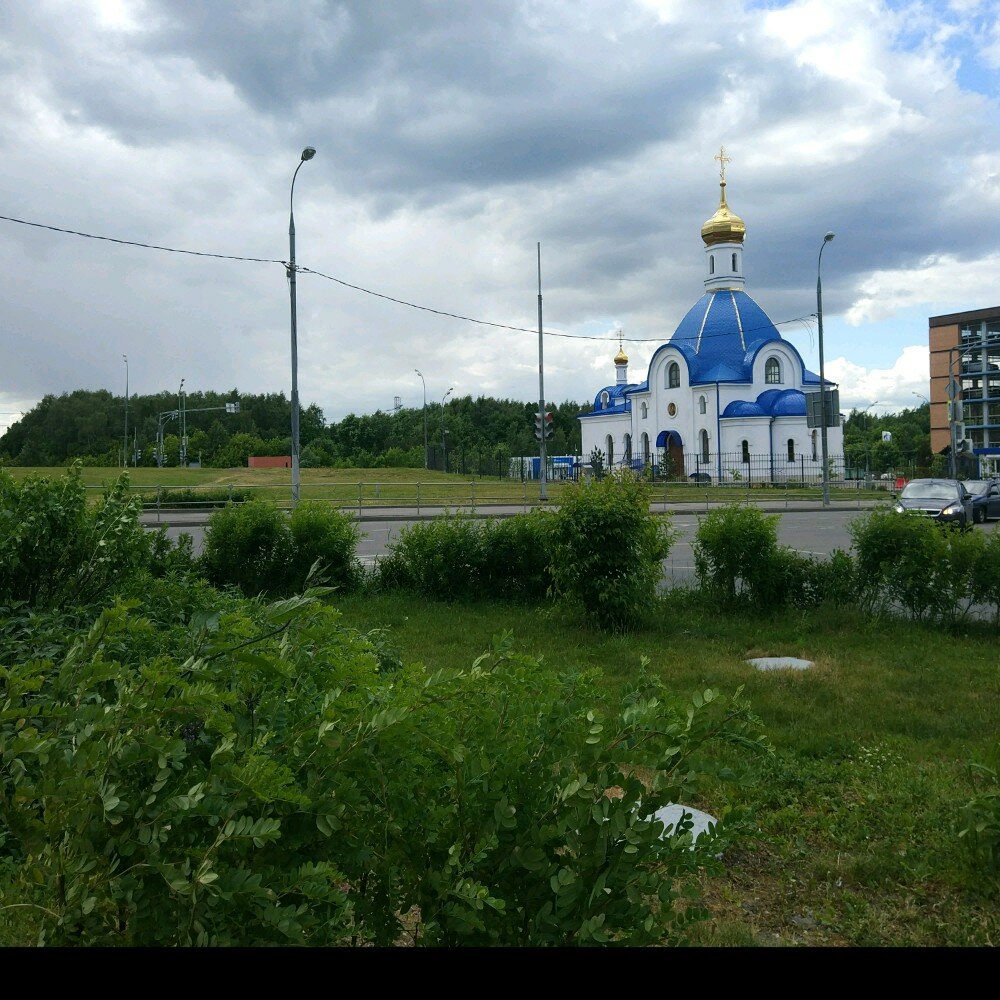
791	403
743	408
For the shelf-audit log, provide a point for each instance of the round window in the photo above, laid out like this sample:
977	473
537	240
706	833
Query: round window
672	409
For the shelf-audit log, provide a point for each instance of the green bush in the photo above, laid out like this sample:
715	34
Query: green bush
515	556
607	549
194	499
323	535
249	777
908	562
986	574
459	556
739	561
249	546
440	558
55	548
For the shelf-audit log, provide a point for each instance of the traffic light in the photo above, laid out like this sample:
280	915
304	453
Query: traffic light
543	420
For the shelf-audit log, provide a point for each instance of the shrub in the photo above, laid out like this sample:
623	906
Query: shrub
252	779
986	575
738	559
55	548
322	534
461	557
440	558
907	561
249	546
516	556
607	549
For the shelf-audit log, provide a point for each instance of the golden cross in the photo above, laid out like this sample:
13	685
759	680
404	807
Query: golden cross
619	338
723	160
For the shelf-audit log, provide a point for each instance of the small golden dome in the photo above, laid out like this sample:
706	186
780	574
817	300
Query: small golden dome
724	226
621	358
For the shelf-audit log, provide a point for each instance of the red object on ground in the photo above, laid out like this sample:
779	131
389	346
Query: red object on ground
269	462
900	482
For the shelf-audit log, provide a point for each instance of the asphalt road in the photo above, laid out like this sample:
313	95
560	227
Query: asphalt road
812	532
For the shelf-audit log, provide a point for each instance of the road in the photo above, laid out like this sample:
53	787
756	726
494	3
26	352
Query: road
811	532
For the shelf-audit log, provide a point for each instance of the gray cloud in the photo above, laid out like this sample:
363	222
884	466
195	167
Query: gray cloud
451	137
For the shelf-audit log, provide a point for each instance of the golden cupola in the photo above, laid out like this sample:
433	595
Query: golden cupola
621	358
725	226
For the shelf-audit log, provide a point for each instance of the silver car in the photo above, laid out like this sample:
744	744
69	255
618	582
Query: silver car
945	500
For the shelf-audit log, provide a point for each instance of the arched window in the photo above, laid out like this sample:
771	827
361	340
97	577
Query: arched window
711	264
628	448
814	445
734	263
704	446
746	452
645	448
791	449
772	371
673	375
609	447
605	399
645	410
701	404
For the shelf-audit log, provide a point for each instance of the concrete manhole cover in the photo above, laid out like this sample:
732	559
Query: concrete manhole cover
780	663
670	816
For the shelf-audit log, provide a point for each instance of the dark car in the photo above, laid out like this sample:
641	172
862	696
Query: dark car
985	498
700	477
945	500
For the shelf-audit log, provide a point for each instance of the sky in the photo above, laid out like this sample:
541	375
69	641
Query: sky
452	138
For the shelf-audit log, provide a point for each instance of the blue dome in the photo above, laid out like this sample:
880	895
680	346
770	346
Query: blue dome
618	402
743	408
721	336
790	403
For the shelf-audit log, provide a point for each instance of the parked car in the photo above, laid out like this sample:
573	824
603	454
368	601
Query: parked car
985	498
945	500
700	477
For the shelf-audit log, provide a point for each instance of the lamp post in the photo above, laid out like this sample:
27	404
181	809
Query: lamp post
920	395
180	426
444	448
954	404
307	154
822	371
125	447
425	419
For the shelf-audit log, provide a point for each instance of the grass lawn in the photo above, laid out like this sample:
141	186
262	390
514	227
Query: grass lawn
404	487
857	807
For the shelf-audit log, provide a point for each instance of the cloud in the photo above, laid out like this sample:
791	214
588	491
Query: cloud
892	389
452	138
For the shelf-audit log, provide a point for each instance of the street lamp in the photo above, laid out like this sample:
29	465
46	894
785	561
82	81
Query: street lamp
180	424
954	390
444	450
307	154
425	419
125	449
920	395
822	371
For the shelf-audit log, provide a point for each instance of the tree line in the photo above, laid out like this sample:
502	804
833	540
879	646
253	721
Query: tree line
909	445
468	434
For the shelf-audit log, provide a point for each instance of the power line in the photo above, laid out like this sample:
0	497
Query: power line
372	292
134	243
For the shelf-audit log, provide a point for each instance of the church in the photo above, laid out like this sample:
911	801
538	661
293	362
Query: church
724	399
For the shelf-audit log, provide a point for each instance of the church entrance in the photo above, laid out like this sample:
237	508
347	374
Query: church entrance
671	449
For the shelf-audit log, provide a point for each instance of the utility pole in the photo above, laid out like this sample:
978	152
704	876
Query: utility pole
307	154
822	372
125	447
543	493
426	464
